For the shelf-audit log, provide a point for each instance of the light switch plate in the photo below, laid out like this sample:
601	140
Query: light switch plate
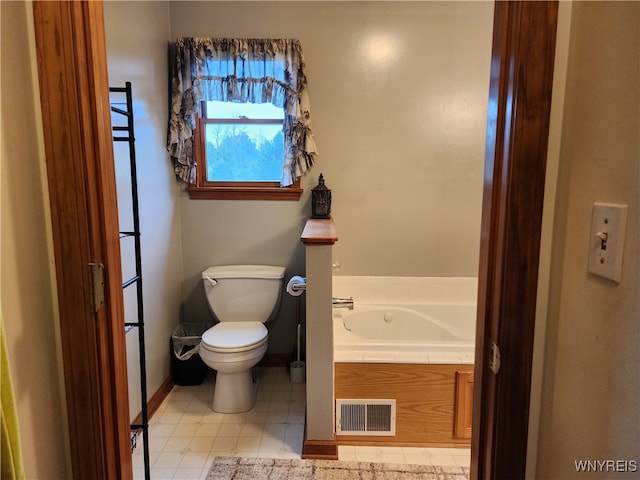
606	241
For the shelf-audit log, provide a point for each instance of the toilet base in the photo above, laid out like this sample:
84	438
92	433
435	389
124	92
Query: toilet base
234	392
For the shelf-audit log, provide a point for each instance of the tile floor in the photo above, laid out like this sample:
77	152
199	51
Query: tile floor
185	434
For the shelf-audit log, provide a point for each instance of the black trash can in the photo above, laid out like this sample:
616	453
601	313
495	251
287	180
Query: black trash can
187	368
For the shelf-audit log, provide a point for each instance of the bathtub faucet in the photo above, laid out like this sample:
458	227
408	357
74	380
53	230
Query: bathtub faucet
343	302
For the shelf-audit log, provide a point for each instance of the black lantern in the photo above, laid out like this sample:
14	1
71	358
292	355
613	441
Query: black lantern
320	200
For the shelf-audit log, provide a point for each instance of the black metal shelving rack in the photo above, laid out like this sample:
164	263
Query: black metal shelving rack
123	111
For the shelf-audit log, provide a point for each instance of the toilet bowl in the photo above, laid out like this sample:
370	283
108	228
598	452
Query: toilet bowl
241	298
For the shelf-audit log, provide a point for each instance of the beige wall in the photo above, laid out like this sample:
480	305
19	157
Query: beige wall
398	100
28	294
137	34
591	378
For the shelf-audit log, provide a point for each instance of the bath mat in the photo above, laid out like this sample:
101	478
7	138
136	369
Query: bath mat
240	468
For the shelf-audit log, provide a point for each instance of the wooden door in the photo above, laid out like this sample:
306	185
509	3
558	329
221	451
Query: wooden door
517	136
74	95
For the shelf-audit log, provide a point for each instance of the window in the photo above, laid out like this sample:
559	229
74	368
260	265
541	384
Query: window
243	142
240	152
240	125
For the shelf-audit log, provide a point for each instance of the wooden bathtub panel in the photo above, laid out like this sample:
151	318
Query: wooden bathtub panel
424	394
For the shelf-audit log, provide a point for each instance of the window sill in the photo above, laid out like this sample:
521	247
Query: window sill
244	193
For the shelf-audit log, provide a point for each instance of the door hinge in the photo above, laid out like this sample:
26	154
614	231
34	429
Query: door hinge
96	285
494	361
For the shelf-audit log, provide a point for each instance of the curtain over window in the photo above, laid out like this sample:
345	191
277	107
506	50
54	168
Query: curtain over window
240	70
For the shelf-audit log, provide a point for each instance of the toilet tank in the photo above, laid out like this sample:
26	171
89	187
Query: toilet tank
243	293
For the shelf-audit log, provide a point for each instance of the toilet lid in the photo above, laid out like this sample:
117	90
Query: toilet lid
234	335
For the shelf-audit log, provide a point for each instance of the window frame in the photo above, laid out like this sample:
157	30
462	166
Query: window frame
204	189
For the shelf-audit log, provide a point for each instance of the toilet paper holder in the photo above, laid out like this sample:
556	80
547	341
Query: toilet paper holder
297	285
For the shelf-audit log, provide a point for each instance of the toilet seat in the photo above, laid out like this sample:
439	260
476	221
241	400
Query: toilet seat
233	337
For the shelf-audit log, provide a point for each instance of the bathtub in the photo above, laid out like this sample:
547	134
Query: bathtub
409	340
405	320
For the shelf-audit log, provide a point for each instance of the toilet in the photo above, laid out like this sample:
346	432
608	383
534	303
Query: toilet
242	298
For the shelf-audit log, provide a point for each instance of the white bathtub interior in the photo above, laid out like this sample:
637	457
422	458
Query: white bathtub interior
405	319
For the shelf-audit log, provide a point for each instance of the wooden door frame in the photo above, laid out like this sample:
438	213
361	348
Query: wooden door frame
74	91
523	57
